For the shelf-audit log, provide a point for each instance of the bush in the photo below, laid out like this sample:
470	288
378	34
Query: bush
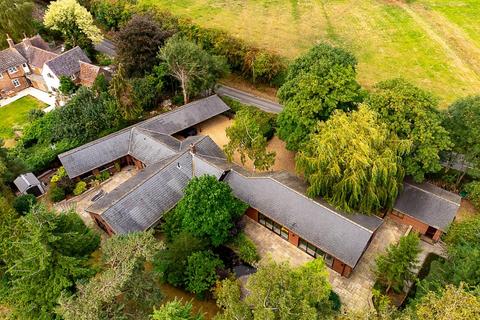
103	176
111	14
58	175
335	300
245	249
35	114
23	203
201	272
80	188
57	194
473	193
103	60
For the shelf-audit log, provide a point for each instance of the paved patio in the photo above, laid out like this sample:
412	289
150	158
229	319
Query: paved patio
83	201
38	94
355	292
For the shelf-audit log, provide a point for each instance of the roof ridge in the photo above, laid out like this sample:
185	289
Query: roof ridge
173	158
161	142
434	194
304	196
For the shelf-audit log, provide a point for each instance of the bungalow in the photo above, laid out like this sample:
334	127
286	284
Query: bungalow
426	207
32	63
276	200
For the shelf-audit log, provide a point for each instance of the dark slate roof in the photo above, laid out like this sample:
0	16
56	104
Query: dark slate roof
143	206
149	147
335	233
26	181
10	58
186	116
68	63
96	153
428	204
91	155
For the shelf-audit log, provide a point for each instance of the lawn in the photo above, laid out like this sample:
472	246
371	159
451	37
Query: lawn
389	38
15	115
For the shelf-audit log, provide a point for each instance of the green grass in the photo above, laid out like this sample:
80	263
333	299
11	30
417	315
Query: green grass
387	40
15	115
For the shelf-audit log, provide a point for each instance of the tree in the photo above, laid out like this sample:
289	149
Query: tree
23	203
463	124
171	262
249	136
138	43
209	209
452	303
122	89
48	254
16	18
74	22
193	67
465	231
353	162
67	86
176	310
201	272
412	114
395	267
10	166
276	291
316	84
125	289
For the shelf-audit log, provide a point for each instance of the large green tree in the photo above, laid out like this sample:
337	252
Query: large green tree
74	22
47	254
316	84
122	90
15	19
201	272
176	310
463	123
195	69
10	166
248	135
138	43
125	289
208	210
396	266
353	162
412	114
279	292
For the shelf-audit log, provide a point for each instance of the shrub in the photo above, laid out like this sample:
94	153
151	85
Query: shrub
67	86
35	114
473	190
111	14
103	60
335	300
80	188
57	194
103	176
201	272
245	249
58	175
23	203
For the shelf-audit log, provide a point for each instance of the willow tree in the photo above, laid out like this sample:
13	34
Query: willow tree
15	19
353	162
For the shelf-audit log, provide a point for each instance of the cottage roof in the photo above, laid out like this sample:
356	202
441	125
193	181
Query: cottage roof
68	63
112	147
10	58
428	203
88	73
25	181
36	51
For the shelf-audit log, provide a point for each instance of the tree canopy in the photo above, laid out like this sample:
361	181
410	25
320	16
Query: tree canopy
411	113
16	19
201	272
74	22
48	253
353	162
195	69
316	84
176	310
277	291
463	123
138	43
208	210
248	135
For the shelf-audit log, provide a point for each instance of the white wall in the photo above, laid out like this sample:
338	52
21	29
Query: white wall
52	81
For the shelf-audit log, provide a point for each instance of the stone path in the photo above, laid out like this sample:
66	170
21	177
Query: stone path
354	292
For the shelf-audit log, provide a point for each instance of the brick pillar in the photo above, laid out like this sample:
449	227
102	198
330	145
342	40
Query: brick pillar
437	235
293	238
252	214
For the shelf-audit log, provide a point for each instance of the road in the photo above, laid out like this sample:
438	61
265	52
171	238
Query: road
249	99
107	47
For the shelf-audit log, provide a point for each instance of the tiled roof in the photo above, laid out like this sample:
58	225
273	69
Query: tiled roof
36	51
428	203
88	73
68	63
10	58
90	156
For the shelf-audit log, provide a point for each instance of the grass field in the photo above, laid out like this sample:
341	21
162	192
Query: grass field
433	43
15	115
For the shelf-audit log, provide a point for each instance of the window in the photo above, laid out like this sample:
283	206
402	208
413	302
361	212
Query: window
49	75
328	260
73	77
315	252
273	226
24	65
16	83
1	75
12	70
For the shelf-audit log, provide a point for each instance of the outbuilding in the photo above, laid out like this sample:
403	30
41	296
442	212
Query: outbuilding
29	184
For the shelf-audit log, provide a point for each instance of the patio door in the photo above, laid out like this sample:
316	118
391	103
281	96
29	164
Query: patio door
430	232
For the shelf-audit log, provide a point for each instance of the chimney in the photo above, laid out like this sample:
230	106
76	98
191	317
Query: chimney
26	41
193	148
11	44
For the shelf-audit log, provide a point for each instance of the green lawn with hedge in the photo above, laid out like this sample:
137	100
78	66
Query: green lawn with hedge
390	39
15	115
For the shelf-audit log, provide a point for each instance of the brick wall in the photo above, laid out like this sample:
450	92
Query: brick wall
6	82
418	226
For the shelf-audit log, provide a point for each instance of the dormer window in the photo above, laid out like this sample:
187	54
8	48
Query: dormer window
73	77
24	65
1	75
12	70
49	75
